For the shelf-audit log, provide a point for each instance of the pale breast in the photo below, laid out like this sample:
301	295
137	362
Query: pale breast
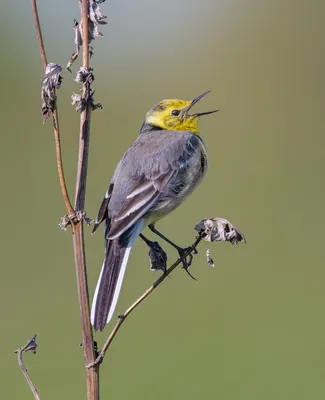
180	187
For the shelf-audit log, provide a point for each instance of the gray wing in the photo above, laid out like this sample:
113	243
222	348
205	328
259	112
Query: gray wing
102	213
142	175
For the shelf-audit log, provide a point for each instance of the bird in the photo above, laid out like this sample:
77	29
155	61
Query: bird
155	175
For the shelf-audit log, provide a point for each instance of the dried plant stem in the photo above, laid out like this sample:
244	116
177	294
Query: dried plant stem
85	117
80	261
92	377
20	352
85	38
39	33
123	317
59	163
55	117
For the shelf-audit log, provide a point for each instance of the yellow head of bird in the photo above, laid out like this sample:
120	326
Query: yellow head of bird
174	115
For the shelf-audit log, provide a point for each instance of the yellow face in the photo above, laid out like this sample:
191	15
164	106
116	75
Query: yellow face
174	115
171	115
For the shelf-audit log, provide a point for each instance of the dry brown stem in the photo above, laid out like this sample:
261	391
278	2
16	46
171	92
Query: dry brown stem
92	378
29	346
56	129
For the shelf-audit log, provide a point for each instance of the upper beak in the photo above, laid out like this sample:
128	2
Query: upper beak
194	101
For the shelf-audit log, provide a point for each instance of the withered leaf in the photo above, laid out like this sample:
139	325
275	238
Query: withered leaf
51	81
209	259
95	19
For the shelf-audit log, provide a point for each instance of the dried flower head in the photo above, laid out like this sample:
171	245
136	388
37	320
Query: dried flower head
158	258
219	230
51	81
31	345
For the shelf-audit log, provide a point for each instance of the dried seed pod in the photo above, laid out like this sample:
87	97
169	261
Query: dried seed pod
219	230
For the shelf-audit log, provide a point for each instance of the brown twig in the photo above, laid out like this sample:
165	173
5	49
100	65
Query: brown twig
59	162
92	378
123	317
39	33
29	346
57	140
85	117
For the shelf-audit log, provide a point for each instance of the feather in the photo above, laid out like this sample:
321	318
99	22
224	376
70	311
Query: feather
134	207
102	213
111	277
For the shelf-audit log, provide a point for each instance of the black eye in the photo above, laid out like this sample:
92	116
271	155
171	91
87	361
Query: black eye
175	112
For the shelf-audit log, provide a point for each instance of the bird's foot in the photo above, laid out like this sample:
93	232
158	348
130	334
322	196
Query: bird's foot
187	257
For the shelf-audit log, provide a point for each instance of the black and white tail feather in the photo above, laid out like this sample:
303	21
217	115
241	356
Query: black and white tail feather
109	284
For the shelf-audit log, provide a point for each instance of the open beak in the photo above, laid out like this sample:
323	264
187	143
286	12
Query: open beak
193	102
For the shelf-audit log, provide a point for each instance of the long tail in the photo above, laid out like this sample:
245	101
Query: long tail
111	277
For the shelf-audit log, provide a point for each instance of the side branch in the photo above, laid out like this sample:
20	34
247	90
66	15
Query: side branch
57	140
29	346
123	317
59	162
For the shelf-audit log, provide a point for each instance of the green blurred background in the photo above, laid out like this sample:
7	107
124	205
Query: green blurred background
251	328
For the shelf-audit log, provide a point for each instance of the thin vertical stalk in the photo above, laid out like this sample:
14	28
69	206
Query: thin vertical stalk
92	377
39	33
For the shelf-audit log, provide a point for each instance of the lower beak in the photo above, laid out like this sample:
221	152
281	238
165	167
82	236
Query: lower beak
194	101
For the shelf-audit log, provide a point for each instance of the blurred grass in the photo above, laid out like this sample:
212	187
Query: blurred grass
253	326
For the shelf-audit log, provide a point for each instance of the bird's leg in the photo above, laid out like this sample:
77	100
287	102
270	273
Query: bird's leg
186	259
146	240
157	256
